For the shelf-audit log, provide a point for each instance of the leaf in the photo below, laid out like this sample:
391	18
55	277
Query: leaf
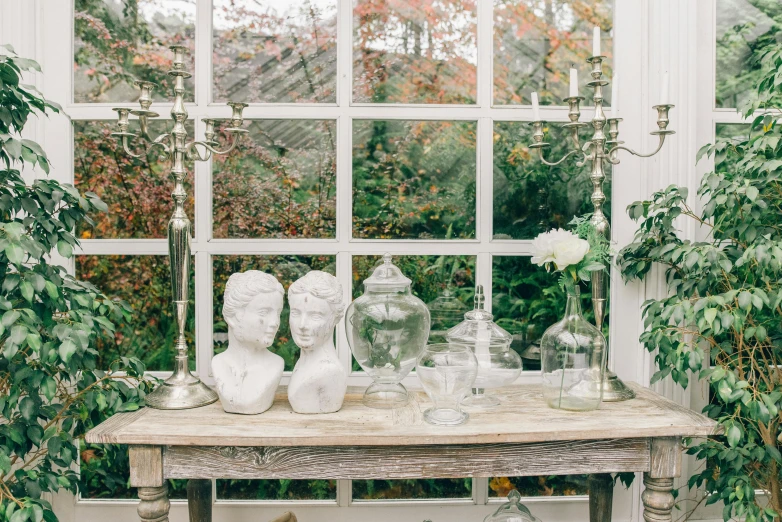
745	300
48	387
66	350
14	252
710	314
65	249
752	193
734	435
9	318
27	409
27	291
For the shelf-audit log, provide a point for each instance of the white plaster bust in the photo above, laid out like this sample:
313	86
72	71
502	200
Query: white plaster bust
247	373
319	381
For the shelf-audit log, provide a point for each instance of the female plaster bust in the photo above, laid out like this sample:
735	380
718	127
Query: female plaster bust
247	373
318	382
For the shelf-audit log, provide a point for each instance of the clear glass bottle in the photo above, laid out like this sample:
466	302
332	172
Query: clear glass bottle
498	365
387	328
573	359
512	511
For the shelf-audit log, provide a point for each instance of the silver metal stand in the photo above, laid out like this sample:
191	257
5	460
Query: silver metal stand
182	390
598	150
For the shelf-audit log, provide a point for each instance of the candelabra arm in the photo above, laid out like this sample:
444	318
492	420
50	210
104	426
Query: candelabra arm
552	164
159	142
193	152
611	152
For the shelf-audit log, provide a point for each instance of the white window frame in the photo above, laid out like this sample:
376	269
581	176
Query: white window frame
51	41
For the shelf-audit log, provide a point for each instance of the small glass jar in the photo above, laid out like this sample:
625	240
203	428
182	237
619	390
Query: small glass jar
446	311
387	328
512	511
446	371
498	365
573	359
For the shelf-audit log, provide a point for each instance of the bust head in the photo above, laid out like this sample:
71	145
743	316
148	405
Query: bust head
252	304
316	307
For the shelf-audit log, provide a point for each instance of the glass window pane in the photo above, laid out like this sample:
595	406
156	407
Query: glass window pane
536	41
268	51
526	300
745	30
137	191
543	486
414	52
414	179
119	41
279	183
531	197
412	489
282	489
431	277
286	269
144	283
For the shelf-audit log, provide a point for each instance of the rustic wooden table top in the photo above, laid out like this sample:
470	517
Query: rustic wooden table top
523	417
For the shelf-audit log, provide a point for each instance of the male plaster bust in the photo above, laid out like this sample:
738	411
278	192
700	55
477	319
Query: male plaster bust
247	373
319	381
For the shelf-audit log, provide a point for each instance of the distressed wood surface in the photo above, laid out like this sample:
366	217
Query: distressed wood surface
601	497
666	457
199	500
523	417
146	466
391	462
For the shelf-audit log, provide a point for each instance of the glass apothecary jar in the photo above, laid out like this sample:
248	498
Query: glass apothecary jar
512	511
446	311
387	328
498	365
573	359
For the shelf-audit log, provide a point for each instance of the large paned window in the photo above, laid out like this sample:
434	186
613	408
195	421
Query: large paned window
374	126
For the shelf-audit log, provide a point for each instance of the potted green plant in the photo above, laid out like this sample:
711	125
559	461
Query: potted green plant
51	390
721	319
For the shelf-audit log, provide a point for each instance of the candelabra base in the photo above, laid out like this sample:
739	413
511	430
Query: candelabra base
181	393
614	390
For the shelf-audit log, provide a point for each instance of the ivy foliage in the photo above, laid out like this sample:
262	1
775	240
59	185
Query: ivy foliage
721	321
51	390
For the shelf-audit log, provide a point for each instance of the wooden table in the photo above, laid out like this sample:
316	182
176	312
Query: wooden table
521	437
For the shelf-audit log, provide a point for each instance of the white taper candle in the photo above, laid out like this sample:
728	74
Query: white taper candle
573	82
615	96
596	41
535	107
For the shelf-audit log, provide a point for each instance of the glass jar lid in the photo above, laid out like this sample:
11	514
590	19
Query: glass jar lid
479	327
446	310
387	277
512	511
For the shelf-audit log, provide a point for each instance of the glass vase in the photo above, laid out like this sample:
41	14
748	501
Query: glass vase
573	358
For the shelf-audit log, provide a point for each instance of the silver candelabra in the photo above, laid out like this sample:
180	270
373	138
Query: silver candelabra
598	150
182	390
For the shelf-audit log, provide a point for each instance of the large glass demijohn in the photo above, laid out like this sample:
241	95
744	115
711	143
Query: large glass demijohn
387	328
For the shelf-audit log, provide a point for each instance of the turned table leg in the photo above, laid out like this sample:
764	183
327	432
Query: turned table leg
154	504
146	474
666	464
601	496
199	500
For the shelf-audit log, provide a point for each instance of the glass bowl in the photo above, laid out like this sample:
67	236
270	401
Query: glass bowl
447	371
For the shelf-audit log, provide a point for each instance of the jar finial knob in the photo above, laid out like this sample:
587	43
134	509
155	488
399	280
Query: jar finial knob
479	297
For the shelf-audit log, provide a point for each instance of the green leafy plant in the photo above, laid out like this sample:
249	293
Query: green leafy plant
51	388
721	320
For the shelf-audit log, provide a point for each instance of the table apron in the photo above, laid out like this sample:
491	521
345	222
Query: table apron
395	462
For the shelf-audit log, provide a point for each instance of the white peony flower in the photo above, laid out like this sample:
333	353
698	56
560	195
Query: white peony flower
570	251
543	245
